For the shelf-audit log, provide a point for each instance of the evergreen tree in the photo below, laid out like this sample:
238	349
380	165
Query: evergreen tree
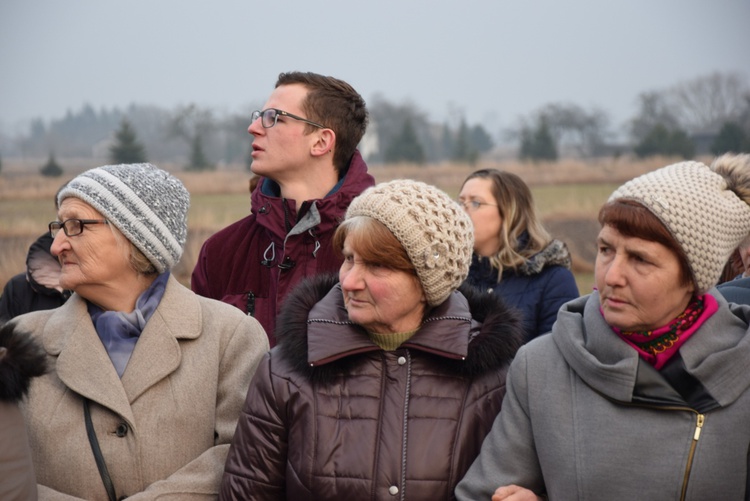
662	141
681	144
731	139
127	149
463	150
198	160
480	139
538	144
51	168
406	146
446	142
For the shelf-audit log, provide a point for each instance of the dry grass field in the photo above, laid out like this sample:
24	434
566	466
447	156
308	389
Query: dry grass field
568	195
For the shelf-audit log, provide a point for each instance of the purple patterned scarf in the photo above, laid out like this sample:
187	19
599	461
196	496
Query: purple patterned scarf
119	331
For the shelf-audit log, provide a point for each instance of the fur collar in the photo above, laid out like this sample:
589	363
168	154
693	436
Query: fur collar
555	254
21	358
493	331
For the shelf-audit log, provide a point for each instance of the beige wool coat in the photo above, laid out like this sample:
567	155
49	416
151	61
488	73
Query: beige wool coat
164	428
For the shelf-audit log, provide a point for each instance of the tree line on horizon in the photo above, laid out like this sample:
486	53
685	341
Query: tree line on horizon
709	114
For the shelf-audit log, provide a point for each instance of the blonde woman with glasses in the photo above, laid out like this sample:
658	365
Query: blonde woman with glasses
514	256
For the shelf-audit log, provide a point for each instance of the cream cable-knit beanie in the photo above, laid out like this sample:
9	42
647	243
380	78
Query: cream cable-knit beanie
701	208
435	231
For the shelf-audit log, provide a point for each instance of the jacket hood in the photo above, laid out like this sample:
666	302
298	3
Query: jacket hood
272	211
42	268
21	358
555	254
716	355
471	332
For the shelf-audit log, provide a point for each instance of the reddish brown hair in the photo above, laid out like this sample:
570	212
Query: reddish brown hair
632	219
374	242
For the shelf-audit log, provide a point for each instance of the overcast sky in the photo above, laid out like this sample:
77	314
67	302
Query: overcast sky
490	60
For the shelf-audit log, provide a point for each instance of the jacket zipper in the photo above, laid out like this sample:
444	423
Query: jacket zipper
250	304
696	435
700	421
406	426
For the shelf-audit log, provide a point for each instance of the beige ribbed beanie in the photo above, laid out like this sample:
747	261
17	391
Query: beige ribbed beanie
700	209
435	231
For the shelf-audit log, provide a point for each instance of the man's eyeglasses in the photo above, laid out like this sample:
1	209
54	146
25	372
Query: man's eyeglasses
72	227
473	205
269	117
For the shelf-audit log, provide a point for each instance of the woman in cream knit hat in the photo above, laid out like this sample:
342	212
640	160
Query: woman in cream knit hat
385	379
642	389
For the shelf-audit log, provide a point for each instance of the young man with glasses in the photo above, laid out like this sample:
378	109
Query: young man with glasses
305	150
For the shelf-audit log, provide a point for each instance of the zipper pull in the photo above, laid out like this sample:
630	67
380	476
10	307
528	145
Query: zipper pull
699	426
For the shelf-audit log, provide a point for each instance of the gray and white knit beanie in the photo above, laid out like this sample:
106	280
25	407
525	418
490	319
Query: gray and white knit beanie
148	205
700	207
435	231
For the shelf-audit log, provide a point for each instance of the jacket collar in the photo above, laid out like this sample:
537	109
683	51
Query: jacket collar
556	253
715	355
471	332
269	207
84	366
331	335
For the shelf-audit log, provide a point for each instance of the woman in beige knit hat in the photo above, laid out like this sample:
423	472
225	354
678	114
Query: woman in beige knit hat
642	389
386	378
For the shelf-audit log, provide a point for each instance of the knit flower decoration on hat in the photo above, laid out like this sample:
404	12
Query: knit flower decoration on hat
435	231
148	205
701	211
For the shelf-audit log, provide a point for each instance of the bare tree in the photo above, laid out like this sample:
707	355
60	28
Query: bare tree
706	103
654	109
587	132
193	125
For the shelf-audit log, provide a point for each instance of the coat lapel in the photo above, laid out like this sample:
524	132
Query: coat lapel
83	364
157	353
85	367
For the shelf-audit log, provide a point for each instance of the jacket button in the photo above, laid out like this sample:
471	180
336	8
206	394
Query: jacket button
401	360
122	430
393	490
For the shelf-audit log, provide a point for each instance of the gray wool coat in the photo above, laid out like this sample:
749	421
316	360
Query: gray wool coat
165	427
584	418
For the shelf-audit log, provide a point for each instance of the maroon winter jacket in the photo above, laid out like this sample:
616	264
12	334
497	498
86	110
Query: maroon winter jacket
331	416
254	263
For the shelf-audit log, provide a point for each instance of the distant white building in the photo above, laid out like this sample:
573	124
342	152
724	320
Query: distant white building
100	150
370	145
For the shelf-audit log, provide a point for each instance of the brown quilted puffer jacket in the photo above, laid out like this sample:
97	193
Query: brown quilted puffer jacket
331	416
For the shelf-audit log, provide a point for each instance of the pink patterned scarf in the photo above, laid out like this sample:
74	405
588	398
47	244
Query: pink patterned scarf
659	345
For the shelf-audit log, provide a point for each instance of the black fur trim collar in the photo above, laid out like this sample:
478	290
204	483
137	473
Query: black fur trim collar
495	335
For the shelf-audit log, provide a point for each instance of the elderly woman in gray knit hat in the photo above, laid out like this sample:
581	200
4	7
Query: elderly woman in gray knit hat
384	381
148	378
642	390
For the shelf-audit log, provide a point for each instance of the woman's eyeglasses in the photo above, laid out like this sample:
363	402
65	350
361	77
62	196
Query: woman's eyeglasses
473	205
72	227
